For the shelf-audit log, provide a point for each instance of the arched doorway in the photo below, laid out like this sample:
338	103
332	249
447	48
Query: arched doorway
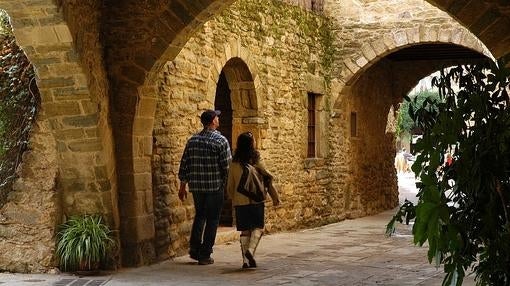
235	97
222	102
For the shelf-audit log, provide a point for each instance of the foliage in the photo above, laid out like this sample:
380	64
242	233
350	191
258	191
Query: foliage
19	99
463	209
405	123
83	241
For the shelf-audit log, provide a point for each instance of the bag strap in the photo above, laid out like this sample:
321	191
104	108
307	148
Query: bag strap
244	178
242	183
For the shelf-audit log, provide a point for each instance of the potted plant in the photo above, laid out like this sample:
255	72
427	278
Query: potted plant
83	242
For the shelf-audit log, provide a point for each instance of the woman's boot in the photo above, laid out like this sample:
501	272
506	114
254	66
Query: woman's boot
255	236
245	241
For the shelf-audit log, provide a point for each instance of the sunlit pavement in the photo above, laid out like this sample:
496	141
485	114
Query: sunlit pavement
352	252
407	187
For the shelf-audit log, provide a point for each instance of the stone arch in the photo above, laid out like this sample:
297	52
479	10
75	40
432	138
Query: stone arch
61	168
243	110
371	86
401	38
242	76
154	34
181	99
488	20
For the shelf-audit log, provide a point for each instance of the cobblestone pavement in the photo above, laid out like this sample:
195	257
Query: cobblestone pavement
351	253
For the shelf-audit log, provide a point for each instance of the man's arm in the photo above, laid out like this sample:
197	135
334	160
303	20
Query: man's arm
183	194
184	175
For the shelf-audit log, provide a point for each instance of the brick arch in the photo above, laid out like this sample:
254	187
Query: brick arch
49	169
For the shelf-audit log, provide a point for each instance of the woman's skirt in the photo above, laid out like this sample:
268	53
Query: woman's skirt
250	216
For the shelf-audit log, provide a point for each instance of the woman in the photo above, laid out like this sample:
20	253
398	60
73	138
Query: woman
249	214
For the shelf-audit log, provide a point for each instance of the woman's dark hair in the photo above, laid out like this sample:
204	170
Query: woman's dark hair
245	150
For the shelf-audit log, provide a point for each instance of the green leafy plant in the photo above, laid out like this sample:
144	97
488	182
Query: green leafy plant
83	242
463	208
405	124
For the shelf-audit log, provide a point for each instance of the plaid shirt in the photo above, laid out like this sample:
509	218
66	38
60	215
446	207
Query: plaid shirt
204	163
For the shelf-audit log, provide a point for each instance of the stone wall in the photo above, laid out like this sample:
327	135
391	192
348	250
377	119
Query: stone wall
69	167
95	191
28	219
282	48
354	175
372	148
280	52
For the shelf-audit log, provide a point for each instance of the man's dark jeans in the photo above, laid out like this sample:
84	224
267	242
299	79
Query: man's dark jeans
207	217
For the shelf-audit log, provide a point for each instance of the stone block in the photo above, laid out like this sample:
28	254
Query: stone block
143	145
351	66
92	133
56	82
361	61
400	38
378	46
368	52
37	36
143	126
132	203
63	34
81	120
142	165
86	145
70	93
413	35
72	184
137	229
142	181
146	107
51	109
64	68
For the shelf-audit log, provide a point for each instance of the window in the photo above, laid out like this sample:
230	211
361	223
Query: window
312	125
354	127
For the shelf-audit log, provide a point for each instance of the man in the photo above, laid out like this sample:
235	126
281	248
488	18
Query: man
204	167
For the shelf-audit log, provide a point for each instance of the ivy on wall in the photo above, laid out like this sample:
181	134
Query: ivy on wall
19	99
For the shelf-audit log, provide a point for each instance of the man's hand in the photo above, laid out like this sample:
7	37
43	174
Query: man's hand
183	194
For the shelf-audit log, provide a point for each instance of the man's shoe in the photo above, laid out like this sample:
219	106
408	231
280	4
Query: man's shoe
206	261
193	255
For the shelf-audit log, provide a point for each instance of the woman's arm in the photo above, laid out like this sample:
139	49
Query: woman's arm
268	182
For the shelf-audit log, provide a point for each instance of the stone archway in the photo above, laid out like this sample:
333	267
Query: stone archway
139	43
67	169
236	97
488	20
399	39
183	96
375	83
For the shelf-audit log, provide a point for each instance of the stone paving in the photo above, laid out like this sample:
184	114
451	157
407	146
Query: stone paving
351	253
